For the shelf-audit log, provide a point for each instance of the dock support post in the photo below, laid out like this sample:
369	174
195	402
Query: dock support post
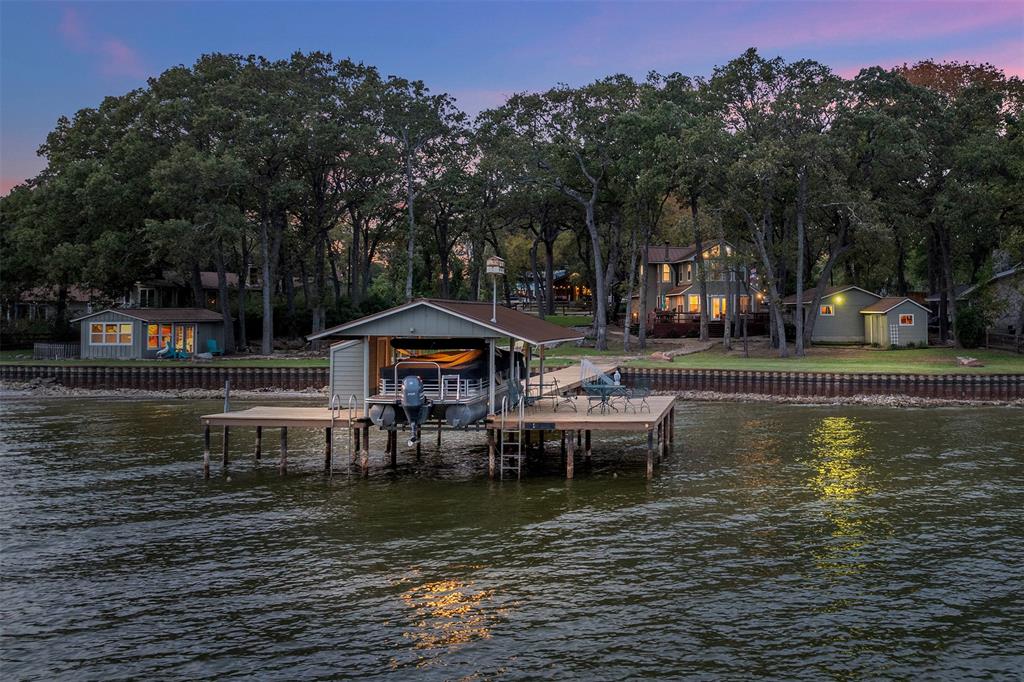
284	450
663	453
661	439
586	456
354	445
569	457
206	451
439	422
365	457
224	449
490	453
650	453
540	439
672	429
259	442
561	450
328	449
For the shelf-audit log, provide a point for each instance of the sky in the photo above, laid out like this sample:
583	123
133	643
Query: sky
58	57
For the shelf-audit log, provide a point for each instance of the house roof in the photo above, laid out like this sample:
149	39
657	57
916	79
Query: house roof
1019	268
886	304
670	254
162	314
513	323
827	293
675	291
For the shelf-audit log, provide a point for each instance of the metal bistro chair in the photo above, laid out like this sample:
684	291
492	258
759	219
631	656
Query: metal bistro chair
637	395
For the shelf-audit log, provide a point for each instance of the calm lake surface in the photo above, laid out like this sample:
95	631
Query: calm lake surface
777	541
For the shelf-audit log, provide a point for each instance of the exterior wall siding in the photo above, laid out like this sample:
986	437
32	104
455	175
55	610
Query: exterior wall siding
347	370
105	352
847	325
917	334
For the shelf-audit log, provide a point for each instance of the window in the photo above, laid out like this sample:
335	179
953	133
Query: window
907	320
184	337
666	273
827	310
744	304
110	333
694	303
717	307
147	297
157	336
689	272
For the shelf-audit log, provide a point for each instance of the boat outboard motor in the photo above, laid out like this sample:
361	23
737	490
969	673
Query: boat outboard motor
414	402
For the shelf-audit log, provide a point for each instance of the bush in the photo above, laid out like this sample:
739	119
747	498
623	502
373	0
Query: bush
970	326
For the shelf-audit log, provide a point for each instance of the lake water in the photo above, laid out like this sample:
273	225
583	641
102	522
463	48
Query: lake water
777	541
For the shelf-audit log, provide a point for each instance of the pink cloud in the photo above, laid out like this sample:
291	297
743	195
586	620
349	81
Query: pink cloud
115	57
475	100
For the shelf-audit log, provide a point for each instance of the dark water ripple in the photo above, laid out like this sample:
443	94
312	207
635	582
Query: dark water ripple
777	541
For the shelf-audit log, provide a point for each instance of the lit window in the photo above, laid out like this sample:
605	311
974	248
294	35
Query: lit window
110	334
907	320
689	272
666	273
744	304
694	303
157	336
827	310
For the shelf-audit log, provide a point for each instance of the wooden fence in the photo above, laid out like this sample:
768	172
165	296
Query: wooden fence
1004	342
828	385
56	351
157	378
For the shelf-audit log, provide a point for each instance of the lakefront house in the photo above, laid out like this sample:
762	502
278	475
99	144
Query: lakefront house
673	287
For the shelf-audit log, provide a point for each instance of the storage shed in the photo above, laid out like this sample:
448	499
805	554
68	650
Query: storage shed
139	333
839	319
896	321
365	345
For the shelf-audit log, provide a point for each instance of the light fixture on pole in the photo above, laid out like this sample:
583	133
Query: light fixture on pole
495	268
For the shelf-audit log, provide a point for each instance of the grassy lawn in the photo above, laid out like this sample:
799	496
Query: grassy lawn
24	357
570	320
852	360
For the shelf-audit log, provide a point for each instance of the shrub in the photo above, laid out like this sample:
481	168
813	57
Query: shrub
970	326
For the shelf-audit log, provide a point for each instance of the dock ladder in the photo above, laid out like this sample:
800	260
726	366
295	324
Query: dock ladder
335	414
510	454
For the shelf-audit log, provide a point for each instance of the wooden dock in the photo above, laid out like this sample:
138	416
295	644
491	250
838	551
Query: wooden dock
297	417
552	413
575	426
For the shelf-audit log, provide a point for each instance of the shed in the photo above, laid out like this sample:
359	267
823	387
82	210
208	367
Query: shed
139	333
365	344
839	319
896	321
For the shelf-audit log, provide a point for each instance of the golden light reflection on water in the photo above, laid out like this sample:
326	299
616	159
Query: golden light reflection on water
446	614
838	454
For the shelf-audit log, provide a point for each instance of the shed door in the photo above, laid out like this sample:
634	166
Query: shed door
347	370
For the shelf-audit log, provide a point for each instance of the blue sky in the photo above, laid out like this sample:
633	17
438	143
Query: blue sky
57	57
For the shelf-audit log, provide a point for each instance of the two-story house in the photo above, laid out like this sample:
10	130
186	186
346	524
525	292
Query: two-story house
673	283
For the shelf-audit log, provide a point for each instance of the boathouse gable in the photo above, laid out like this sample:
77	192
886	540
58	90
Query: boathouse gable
419	321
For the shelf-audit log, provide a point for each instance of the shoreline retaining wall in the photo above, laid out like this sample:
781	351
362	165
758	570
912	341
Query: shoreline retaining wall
814	384
829	385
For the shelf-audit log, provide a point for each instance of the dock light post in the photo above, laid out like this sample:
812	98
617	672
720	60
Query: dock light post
495	268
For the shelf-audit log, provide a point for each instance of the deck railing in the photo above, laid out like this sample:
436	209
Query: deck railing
56	351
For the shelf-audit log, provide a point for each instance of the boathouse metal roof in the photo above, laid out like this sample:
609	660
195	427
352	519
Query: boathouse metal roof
442	318
161	314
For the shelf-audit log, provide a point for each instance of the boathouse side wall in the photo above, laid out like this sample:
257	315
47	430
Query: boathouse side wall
348	370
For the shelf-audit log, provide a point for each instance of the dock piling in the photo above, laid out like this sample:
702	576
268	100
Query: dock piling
284	450
224	449
490	453
206	451
569	457
650	454
329	450
259	442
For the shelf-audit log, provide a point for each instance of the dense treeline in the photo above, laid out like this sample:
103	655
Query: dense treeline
363	190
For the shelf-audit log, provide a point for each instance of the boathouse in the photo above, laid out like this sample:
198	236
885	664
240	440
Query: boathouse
141	333
362	347
895	321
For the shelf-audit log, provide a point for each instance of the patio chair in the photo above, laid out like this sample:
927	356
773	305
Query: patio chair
637	395
212	348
